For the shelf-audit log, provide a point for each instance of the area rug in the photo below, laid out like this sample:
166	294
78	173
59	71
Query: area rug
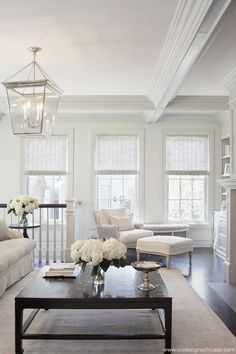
196	328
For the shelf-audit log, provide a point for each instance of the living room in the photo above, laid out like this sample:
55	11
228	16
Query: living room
146	120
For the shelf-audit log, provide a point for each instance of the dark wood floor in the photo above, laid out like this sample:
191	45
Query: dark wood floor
206	268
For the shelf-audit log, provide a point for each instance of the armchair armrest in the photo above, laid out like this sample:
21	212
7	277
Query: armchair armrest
107	231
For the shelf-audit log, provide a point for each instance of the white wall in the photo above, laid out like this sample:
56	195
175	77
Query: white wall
154	186
225	124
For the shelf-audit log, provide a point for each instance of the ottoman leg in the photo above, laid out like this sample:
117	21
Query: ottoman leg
168	262
190	258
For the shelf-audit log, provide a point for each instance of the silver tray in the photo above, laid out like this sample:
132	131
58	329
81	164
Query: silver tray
146	266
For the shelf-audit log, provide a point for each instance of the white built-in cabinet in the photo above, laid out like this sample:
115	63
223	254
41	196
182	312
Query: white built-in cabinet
225	165
220	233
220	217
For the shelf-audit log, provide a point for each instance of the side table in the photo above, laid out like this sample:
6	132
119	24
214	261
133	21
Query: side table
24	228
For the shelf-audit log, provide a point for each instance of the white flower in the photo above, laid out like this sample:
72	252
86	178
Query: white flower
18	209
86	250
23	204
113	249
97	253
77	245
75	255
28	209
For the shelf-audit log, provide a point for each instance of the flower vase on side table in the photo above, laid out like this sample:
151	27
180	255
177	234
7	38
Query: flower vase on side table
23	221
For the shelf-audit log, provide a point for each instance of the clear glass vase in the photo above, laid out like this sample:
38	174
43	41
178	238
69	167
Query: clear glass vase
98	276
23	221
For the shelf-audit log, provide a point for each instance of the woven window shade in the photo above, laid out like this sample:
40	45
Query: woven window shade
187	155
46	156
116	154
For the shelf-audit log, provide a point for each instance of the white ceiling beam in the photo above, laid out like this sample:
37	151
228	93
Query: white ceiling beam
194	25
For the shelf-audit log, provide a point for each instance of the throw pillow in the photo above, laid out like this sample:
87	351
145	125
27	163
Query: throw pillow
123	222
16	234
5	233
106	213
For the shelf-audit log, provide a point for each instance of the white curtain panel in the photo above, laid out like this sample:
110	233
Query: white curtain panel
187	155
46	156
116	154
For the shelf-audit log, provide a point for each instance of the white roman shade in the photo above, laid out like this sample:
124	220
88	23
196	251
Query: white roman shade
116	154
46	156
187	155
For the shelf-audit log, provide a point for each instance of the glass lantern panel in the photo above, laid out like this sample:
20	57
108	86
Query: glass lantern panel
26	106
33	108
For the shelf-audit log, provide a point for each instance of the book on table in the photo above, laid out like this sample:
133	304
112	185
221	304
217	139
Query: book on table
67	270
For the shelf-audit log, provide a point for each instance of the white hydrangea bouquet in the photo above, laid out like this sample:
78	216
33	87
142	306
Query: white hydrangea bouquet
22	206
100	253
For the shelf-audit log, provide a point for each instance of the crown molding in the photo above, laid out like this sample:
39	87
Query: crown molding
97	107
98	103
119	102
112	117
194	24
229	82
190	117
198	103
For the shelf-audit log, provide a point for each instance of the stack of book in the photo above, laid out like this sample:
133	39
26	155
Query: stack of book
66	270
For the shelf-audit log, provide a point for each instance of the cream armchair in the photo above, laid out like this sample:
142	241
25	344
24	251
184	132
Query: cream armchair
118	223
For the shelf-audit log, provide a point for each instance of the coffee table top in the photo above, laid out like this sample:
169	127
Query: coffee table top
120	283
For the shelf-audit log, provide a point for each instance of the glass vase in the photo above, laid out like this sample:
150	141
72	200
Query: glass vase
23	221
99	277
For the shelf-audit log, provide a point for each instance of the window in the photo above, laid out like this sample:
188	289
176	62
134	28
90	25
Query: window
45	169
116	169
187	168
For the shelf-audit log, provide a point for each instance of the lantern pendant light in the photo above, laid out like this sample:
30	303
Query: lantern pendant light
33	99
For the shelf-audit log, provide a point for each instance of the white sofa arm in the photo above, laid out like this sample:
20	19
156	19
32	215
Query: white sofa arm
107	231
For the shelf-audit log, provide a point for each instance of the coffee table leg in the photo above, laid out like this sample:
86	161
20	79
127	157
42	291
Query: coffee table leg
168	325
18	329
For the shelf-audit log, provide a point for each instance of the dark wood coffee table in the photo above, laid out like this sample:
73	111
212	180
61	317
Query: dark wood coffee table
120	292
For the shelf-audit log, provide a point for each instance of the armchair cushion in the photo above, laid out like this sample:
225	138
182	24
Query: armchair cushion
106	213
130	237
124	223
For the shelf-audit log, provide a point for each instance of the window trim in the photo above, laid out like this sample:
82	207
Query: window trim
140	176
210	133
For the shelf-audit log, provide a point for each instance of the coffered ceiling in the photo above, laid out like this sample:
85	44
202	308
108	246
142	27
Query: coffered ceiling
130	56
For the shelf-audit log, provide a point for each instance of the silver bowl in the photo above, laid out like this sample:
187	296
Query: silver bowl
146	267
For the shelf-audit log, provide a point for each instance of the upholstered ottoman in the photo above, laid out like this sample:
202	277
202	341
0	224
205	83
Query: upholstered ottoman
165	246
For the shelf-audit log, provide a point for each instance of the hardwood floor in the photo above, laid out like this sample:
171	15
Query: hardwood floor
206	268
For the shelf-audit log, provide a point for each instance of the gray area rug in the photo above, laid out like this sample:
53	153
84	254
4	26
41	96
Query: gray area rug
227	292
195	325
